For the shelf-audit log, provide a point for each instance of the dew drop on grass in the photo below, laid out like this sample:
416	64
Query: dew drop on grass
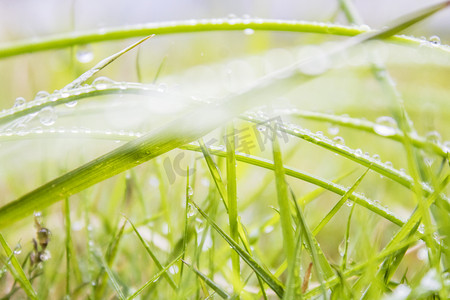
47	116
71	104
376	157
191	211
358	152
18	249
190	191
385	126
333	130
341	248
84	54
102	82
44	256
41	94
435	39
173	269
249	31
447	146
388	164
339	140
268	229
433	137
20	101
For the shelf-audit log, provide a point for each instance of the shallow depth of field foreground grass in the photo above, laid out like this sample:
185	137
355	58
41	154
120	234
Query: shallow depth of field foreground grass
238	158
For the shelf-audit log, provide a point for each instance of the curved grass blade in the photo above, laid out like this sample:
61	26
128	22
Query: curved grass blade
293	287
266	276
221	292
17	271
154	278
111	275
139	30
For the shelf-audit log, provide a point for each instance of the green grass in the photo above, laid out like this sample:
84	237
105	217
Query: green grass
237	187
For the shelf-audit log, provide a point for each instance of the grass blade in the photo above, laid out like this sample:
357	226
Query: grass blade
221	292
338	205
268	278
154	278
17	270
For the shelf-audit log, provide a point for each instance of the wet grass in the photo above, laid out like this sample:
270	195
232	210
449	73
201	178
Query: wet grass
240	194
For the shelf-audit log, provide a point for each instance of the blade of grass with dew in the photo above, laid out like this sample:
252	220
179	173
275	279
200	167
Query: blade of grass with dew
17	271
153	256
232	201
186	221
328	185
109	34
368	126
102	64
346	239
268	278
221	292
112	277
154	278
283	201
338	205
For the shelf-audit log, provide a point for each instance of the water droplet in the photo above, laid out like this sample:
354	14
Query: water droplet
339	140
385	126
435	39
191	211
376	157
447	146
18	249
333	130
388	164
47	116
358	152
190	191
422	254
249	31
162	87
41	95
268	229
84	54
71	104
173	269
341	248
44	256
154	181
102	82
433	137
261	128
20	101
364	27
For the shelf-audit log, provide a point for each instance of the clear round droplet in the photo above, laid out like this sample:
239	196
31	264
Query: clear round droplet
339	140
358	152
44	256
385	126
191	211
433	137
18	249
102	82
71	104
20	101
47	116
333	130
249	31
84	54
173	269
435	39
41	94
190	191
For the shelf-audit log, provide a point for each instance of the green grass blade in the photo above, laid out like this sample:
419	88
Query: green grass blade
102	64
139	30
266	276
232	201
283	199
153	256
338	205
68	243
221	292
293	282
154	278
17	270
112	277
